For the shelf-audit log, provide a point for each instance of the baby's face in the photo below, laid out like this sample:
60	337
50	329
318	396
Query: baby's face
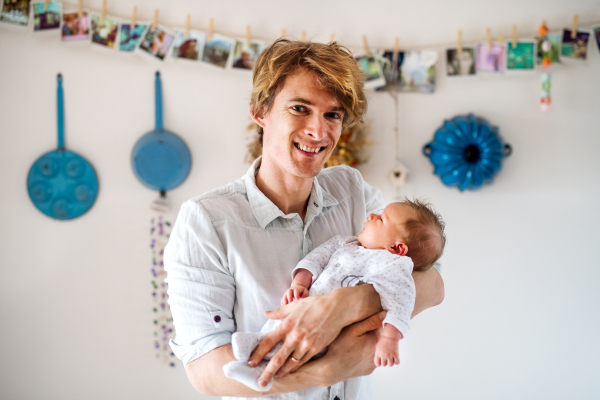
383	230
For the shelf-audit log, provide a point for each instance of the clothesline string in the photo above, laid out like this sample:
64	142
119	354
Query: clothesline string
508	37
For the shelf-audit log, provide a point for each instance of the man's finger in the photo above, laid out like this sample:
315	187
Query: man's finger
369	324
281	312
276	362
264	347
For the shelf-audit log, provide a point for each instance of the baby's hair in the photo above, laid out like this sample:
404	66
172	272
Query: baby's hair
426	238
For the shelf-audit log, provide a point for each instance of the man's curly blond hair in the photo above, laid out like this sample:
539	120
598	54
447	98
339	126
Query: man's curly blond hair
335	68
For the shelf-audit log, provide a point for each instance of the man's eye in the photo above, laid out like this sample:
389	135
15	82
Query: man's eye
334	115
299	108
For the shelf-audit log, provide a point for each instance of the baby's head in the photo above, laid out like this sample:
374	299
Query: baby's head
407	228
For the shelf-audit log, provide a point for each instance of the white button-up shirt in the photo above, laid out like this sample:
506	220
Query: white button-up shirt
231	253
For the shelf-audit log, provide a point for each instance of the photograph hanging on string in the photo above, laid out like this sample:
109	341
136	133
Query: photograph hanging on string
415	70
490	58
245	56
217	50
15	12
575	47
130	38
373	73
460	64
555	40
75	27
597	35
157	43
104	34
46	20
521	57
190	47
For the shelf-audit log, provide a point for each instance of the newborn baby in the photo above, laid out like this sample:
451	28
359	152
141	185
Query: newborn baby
406	236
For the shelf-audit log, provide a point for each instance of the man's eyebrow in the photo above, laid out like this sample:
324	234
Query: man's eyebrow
310	103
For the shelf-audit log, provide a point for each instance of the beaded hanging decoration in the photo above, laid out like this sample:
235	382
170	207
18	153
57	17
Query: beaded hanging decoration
160	230
547	47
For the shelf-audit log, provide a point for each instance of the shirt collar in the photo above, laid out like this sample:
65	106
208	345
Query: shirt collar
265	211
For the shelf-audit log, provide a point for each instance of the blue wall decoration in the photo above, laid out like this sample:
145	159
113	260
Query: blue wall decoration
466	152
160	159
62	184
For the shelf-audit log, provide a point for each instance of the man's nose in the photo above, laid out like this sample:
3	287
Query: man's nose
316	127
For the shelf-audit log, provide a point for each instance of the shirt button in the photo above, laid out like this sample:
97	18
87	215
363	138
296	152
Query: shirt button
217	318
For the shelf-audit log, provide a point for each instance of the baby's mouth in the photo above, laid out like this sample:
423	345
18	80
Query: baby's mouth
307	149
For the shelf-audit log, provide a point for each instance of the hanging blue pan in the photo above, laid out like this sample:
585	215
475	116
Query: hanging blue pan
61	183
160	159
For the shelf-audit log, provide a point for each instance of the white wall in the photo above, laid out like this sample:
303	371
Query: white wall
521	316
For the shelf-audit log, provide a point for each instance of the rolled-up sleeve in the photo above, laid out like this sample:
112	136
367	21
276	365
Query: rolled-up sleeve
201	288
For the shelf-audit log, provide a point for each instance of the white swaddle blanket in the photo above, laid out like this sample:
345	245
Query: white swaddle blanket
337	263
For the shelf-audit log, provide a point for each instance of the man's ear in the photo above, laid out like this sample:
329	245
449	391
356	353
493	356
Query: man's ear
258	116
400	248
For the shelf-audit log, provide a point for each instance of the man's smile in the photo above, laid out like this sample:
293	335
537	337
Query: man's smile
309	149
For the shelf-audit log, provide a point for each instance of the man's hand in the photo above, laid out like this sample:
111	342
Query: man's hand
296	292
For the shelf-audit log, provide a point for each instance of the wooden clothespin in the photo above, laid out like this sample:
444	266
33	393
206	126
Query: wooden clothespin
188	21
211	25
574	28
154	21
514	36
303	36
488	38
46	5
459	44
133	17
103	15
331	37
248	35
395	59
80	8
366	45
283	33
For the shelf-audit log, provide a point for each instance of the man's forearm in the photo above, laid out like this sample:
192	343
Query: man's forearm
430	289
207	377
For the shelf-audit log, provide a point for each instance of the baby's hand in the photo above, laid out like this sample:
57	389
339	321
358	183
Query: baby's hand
386	352
295	292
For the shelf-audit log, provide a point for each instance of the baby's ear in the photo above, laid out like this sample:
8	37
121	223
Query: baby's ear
400	248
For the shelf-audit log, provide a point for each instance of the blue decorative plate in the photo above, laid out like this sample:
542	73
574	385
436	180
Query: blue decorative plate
160	159
61	183
466	152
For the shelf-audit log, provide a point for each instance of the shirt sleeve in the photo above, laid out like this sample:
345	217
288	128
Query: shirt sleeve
393	281
373	199
317	260
201	288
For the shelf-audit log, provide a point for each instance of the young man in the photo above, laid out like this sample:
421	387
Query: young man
232	250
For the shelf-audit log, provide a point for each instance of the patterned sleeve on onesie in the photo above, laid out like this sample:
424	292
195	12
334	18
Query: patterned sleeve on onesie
317	260
392	279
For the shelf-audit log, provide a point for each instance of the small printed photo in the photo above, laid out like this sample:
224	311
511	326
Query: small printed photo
157	43
462	64
597	35
190	47
575	48
415	73
104	34
244	56
521	57
555	40
129	38
217	51
45	20
490	59
15	12
373	73
75	27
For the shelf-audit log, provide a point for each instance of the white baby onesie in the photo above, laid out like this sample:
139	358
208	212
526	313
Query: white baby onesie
337	263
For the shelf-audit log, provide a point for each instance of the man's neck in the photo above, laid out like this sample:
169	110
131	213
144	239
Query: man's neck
288	192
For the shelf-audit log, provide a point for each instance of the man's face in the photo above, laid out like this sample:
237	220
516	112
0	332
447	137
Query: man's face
303	126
